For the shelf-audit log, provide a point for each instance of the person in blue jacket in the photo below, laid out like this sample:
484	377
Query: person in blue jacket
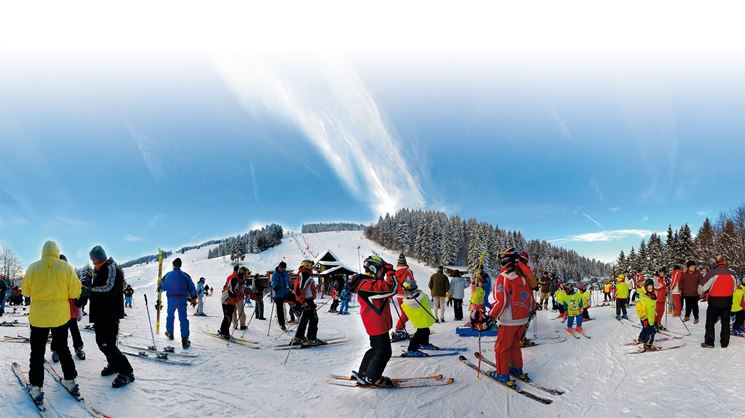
201	293
280	290
179	288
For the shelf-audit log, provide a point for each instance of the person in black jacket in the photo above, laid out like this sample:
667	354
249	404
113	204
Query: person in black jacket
107	308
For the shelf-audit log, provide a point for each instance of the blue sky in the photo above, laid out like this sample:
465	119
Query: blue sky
142	150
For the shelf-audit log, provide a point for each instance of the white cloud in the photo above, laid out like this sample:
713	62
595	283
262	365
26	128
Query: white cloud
133	238
614	209
330	104
149	156
612	235
703	213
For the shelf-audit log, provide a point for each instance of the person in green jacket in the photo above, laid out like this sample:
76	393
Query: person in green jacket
645	309
586	295
559	296
417	308
573	306
622	297
738	309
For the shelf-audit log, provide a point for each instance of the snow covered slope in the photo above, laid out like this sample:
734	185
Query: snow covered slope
599	380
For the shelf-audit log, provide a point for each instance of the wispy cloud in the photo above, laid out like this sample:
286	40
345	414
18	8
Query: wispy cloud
591	219
612	235
561	124
14	221
614	209
155	220
149	156
703	213
133	238
71	221
331	105
596	188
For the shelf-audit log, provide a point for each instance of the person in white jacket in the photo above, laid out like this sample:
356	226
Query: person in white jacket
457	287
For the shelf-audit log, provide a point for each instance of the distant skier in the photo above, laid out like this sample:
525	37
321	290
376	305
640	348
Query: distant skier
228	298
50	283
585	292
559	296
661	288
738	309
280	290
675	290
374	289
403	273
128	293
416	306
718	286
345	296
606	291
201	292
239	313
622	297
457	289
638	284
646	309
476	305
334	299
439	286
689	282
180	290
305	294
4	290
258	286
513	302
545	287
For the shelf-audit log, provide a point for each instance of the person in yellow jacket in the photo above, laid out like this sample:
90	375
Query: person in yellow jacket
417	308
622	297
586	295
559	295
606	291
50	283
646	308
573	305
738	309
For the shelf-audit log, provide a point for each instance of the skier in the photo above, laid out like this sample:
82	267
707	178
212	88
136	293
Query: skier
545	286
513	302
107	309
259	284
573	306
646	310
719	286
228	298
239	313
689	282
606	292
661	288
439	286
738	309
675	293
180	290
403	273
582	287
476	305
128	293
280	290
305	294
559	296
374	289
4	289
416	306
345	296
334	299
72	324
457	288
638	284
50	283
622	297
200	297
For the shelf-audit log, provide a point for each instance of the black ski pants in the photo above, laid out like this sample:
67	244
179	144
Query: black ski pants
716	313
77	341
376	358
106	334
227	318
38	350
421	336
279	307
309	319
621	306
458	309
259	308
691	306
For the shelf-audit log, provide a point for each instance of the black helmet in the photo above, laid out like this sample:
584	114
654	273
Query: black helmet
374	264
648	282
508	256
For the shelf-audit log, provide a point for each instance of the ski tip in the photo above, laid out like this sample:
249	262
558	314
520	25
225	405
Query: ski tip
450	381
462	357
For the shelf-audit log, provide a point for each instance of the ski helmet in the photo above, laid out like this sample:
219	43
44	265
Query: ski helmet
480	321
524	256
582	287
409	285
507	257
376	265
568	286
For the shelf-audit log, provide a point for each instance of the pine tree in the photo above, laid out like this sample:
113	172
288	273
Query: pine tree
726	241
704	243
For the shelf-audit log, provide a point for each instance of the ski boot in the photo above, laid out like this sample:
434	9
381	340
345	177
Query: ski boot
169	335
244	327
695	321
618	317
414	354
298	341
185	343
428	347
314	342
108	370
223	336
386	382
707	345
527	343
36	394
399	335
570	330
123	380
504	379
360	377
283	328
79	353
71	386
580	331
649	347
518	373
55	357
624	317
736	333
686	319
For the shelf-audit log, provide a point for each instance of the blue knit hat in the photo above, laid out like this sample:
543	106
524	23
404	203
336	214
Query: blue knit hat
97	253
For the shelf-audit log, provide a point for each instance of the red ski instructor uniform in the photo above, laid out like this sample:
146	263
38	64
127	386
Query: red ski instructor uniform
511	306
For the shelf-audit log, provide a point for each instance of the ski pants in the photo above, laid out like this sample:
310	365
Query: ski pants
2	303
239	313
585	314
334	305
106	333
713	314
200	305
308	318
677	303
621	306
439	307
421	336
128	301
259	308
507	348
691	306
544	300
72	325
647	334
402	318
38	349
344	306
570	321
659	311
177	303
227	315
280	308
739	319
606	297
376	358
458	309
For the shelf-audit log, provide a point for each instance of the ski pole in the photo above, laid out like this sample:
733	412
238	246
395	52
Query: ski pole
478	372
291	344
684	324
150	322
271	316
249	323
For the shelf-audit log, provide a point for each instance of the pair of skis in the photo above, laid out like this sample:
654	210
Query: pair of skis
399	383
41	407
89	328
158	356
288	346
168	351
491	374
576	334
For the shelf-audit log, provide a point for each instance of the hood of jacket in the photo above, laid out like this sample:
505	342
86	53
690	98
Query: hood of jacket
50	250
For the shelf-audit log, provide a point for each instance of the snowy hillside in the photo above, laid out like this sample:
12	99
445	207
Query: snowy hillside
232	380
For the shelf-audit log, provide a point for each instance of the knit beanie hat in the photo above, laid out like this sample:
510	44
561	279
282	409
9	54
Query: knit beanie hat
402	261
97	253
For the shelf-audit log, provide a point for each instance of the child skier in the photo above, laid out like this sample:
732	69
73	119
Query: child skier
559	296
345	296
128	293
661	288
738	309
585	292
334	299
477	298
573	306
646	309
403	273
606	291
305	294
622	297
417	308
374	289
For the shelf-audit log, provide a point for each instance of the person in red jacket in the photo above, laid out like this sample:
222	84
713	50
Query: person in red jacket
512	304
638	284
689	286
403	273
718	286
374	289
675	291
305	295
660	289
